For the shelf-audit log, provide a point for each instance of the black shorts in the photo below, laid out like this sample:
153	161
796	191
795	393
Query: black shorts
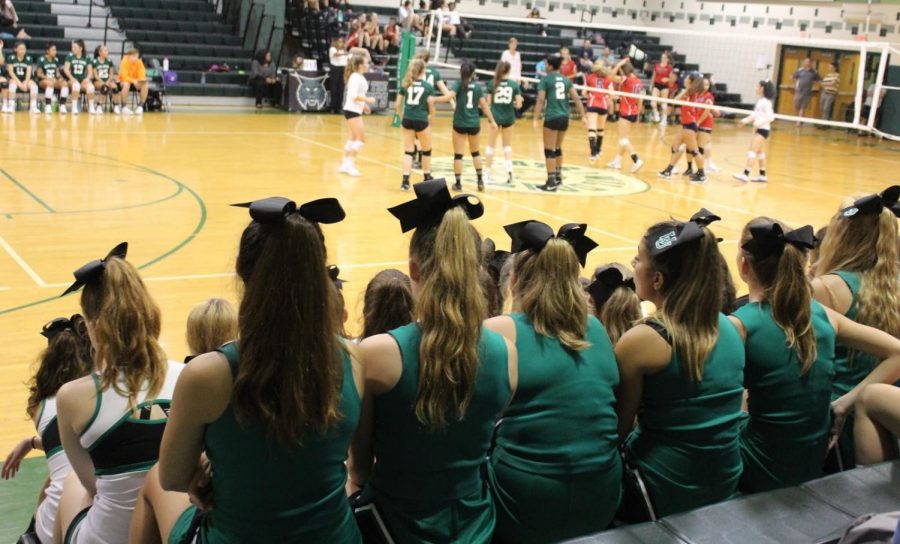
660	86
413	124
762	132
595	109
690	126
506	125
557	123
706	130
470	131
351	114
630	118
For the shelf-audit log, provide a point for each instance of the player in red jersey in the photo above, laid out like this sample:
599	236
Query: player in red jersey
662	77
629	110
568	67
597	106
687	138
705	123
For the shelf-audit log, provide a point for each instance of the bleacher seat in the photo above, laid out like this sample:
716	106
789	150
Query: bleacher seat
861	491
644	533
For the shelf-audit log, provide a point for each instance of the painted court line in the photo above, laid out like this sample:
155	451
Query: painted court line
21	262
21	186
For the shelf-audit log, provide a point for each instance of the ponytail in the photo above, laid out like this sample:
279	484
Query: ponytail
547	289
466	72
353	65
413	72
500	72
622	310
67	357
449	312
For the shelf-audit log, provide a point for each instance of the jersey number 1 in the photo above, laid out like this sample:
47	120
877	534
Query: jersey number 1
469	96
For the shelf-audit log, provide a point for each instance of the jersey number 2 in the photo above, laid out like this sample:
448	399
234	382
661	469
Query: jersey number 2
560	90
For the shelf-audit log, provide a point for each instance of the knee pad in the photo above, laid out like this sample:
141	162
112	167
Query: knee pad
76	87
558	152
426	153
348	145
700	149
64	92
751	155
412	154
623	142
507	149
488	150
357	145
549	153
476	154
694	152
48	92
4	85
674	150
599	132
457	156
32	87
89	88
761	156
104	89
13	88
592	133
682	147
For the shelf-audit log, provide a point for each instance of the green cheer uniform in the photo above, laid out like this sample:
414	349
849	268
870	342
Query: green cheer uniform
503	101
784	441
78	66
415	101
686	444
102	68
265	492
19	67
428	484
555	470
466	116
432	76
50	67
556	88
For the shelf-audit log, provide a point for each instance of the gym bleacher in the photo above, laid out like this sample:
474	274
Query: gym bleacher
43	26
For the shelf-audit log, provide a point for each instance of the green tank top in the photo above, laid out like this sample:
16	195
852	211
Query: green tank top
556	86
269	493
78	66
415	102
503	101
850	369
686	443
784	441
562	419
467	105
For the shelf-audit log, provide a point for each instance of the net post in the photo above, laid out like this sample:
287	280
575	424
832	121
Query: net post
428	33
882	66
860	84
407	50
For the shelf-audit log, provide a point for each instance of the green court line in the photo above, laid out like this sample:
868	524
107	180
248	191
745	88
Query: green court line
178	191
25	189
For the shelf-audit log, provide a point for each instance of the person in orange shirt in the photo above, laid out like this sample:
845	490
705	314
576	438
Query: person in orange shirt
133	74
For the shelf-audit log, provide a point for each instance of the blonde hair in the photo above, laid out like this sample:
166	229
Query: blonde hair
449	312
547	289
413	72
356	60
622	309
210	324
599	67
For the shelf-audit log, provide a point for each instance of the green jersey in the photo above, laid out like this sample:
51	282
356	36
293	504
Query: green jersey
19	67
49	66
432	76
78	66
467	100
102	68
556	88
503	101
416	101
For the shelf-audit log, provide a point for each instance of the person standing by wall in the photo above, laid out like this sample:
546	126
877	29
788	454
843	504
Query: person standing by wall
337	58
830	84
514	58
804	78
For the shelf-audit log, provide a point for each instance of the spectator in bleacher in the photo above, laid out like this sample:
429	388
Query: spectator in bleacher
354	36
9	22
830	85
804	78
392	33
297	62
263	79
540	69
535	13
586	56
609	57
463	28
371	35
568	67
133	74
337	60
443	17
408	18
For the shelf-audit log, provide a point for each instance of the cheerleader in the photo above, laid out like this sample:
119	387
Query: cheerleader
597	106
505	97
687	138
629	110
415	103
467	124
662	74
356	103
762	117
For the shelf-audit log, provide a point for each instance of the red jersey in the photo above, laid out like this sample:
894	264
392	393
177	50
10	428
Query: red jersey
706	98
352	41
595	99
627	104
660	71
568	68
688	113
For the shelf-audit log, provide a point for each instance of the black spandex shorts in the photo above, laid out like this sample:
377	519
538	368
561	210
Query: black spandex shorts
706	130
762	132
660	86
557	123
469	131
690	126
351	114
630	118
595	109
506	125
412	124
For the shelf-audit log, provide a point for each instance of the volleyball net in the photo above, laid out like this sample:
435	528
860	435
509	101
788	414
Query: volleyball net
864	63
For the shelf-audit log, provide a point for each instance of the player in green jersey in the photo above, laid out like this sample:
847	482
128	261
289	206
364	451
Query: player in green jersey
554	92
105	82
77	71
467	123
19	67
50	79
433	77
505	97
4	83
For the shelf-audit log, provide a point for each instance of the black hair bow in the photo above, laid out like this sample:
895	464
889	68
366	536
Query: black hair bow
275	209
873	204
432	201
664	239
534	235
333	273
768	240
58	325
608	280
95	268
494	258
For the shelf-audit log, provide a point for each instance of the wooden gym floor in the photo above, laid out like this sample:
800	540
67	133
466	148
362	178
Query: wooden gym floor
73	187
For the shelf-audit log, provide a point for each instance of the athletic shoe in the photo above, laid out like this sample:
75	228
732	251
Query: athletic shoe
76	108
139	110
689	172
656	117
117	109
404	186
549	187
98	110
416	165
48	109
592	159
615	165
427	176
352	171
481	185
486	175
711	166
559	178
509	178
637	166
457	186
62	109
742	177
35	109
666	174
698	178
345	167
5	108
663	122
127	111
760	179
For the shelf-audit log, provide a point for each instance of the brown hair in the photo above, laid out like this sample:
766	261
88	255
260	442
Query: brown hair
387	303
788	292
623	308
291	372
500	72
547	289
210	324
413	72
450	314
125	322
67	357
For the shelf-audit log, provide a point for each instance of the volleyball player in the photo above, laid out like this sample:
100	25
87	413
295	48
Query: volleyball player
613	299
687	137
705	126
762	117
467	123
597	106
555	90
505	97
50	79
104	72
4	85
433	77
67	357
662	73
629	111
356	103
77	71
415	102
20	65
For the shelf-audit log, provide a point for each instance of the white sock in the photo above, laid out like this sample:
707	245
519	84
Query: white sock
507	154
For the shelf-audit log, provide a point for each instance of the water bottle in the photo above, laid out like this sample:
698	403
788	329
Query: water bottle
165	64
